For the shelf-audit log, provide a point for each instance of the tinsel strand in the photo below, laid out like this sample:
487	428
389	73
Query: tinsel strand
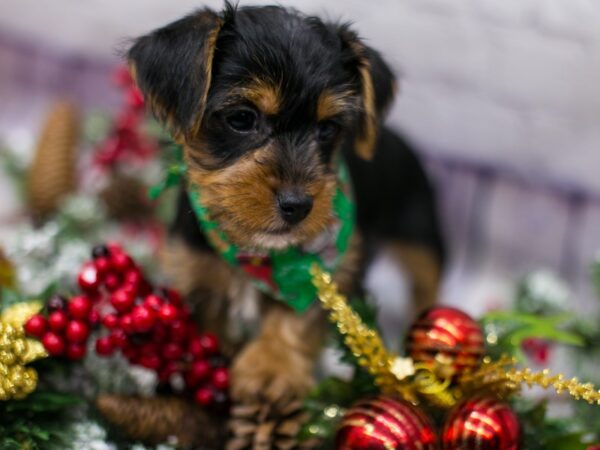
365	343
577	390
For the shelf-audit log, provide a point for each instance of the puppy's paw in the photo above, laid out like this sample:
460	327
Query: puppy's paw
265	371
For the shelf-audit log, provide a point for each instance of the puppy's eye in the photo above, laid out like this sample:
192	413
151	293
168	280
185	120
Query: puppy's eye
241	120
327	130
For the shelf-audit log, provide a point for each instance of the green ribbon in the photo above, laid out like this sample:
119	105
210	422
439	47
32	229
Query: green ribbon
285	275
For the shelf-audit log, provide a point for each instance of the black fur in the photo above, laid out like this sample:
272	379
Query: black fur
304	57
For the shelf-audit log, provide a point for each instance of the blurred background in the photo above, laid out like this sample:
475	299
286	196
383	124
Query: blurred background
501	98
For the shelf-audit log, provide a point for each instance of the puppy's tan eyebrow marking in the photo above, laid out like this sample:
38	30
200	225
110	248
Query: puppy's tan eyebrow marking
333	103
266	96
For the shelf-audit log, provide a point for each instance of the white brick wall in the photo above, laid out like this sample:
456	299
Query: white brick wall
510	82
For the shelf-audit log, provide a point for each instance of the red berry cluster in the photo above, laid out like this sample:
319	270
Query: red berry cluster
150	327
65	330
125	141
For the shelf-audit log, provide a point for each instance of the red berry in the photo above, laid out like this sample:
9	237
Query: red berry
104	346
210	343
75	351
112	281
133	276
110	321
167	313
201	369
88	277
77	331
121	261
126	323
122	300
131	289
36	326
173	296
103	265
94	317
195	348
150	361
53	343
114	248
204	396
220	379
79	307
143	318
118	338
153	301
179	331
57	320
172	351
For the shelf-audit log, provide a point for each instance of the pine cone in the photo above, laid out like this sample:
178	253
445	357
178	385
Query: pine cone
52	172
261	427
125	198
156	419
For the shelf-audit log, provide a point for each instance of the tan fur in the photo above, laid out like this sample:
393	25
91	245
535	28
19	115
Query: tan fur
279	364
241	197
423	268
330	104
365	142
266	96
209	53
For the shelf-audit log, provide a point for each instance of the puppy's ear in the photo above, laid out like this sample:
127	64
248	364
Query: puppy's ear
172	67
377	85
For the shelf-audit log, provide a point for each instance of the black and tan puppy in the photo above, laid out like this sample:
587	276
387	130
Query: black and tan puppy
265	100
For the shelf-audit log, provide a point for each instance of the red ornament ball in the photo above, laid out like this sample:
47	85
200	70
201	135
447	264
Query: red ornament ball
382	423
35	326
446	335
481	423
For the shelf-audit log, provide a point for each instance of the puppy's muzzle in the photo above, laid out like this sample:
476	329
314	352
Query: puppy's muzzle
294	206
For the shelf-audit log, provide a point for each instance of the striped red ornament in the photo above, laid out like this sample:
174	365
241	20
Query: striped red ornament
481	423
383	423
449	336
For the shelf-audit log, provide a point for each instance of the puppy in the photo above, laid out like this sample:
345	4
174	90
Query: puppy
268	104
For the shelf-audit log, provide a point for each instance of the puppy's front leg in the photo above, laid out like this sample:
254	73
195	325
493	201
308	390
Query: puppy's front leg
278	365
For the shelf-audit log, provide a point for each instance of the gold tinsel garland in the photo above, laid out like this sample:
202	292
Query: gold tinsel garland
16	351
418	382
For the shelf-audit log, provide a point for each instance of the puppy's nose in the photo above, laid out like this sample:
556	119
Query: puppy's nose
294	206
